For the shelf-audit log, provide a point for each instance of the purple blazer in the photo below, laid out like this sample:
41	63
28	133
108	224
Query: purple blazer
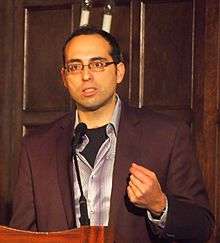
43	194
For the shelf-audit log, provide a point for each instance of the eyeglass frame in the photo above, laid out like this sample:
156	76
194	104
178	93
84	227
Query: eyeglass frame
88	65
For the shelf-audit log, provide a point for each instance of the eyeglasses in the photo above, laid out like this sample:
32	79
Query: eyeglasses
94	66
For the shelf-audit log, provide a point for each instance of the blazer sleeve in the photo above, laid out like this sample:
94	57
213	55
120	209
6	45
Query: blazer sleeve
189	218
23	210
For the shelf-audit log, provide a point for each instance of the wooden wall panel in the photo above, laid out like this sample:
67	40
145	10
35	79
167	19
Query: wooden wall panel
6	83
122	15
211	107
207	100
216	184
45	29
168	59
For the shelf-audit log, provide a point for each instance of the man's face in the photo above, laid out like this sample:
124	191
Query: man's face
90	89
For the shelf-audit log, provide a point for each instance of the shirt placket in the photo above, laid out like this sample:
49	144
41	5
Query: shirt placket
95	196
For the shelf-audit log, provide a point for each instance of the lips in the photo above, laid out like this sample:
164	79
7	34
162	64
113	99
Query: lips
89	91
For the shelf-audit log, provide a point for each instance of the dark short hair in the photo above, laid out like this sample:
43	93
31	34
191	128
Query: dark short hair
115	52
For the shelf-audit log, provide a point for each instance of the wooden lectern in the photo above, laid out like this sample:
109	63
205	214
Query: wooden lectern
85	234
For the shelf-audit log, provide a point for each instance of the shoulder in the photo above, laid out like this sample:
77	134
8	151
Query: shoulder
149	118
49	130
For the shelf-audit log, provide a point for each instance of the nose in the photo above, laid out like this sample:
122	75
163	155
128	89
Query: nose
86	74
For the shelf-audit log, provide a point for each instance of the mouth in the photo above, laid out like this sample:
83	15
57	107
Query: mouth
89	91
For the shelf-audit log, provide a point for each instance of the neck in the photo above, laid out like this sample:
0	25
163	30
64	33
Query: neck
99	117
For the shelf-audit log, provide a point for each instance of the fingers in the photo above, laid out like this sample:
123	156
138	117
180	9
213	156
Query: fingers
138	189
131	194
141	172
134	194
141	176
136	186
144	188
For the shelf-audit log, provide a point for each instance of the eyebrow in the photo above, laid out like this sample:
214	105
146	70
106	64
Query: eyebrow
91	59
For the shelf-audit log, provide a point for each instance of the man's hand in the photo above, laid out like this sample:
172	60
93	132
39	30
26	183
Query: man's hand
144	190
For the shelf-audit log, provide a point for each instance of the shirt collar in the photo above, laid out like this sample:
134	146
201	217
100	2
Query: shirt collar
115	116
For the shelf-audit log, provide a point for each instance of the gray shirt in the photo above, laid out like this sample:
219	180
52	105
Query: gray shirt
97	181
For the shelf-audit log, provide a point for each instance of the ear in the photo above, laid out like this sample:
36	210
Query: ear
63	75
120	72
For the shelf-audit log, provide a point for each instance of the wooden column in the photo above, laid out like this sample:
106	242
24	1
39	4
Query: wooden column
211	109
6	56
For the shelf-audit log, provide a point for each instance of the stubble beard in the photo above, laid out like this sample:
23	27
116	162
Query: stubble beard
95	105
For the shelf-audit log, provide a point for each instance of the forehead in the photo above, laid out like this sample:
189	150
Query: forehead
87	46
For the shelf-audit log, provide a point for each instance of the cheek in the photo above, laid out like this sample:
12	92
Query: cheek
72	82
107	80
72	86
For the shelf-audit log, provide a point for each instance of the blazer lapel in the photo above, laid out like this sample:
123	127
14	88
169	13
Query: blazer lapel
64	169
127	151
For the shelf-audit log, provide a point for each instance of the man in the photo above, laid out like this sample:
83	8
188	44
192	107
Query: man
137	167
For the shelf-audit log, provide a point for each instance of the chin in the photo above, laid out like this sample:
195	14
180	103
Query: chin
89	107
94	105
